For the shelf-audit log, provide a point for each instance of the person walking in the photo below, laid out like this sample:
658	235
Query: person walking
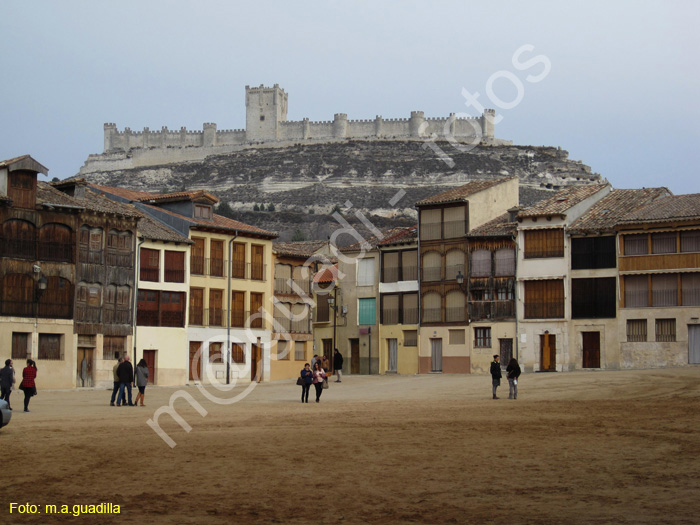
319	376
338	365
115	390
141	381
28	385
496	374
307	377
7	381
126	380
313	361
512	374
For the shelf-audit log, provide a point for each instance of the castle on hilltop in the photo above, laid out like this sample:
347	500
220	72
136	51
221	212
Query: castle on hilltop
267	124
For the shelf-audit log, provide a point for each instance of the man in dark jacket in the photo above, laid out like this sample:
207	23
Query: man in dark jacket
338	365
495	374
115	390
126	379
7	379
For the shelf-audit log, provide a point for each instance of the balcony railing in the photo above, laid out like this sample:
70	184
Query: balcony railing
454	314
149	274
391	274
197	265
409	273
215	316
452	271
390	316
285	285
410	316
432	315
257	271
56	251
432	273
18	248
454	229
430	232
491	309
174	276
17	308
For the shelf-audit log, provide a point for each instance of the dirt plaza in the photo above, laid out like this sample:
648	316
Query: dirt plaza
580	447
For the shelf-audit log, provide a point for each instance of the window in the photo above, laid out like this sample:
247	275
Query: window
455	223
216	312
432	308
544	299
690	283
215	355
482	337
55	243
174	267
663	242
299	351
365	272
113	347
21	189
390	267
544	243
156	308
216	261
430	224
593	298
410	337
300	318
197	257
636	291
257	269
409	265
150	265
20	345
196	306
283	350
17	295
367	309
119	248
238	262
504	260
456	337
238	353
57	300
237	308
455	302
283	276
481	263
19	239
202	212
410	308
454	264
636	244
256	310
636	330
50	347
666	330
690	241
432	266
664	290
593	252
390	309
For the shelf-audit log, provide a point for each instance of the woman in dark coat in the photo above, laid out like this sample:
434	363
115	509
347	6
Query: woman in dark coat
7	380
307	377
513	373
28	385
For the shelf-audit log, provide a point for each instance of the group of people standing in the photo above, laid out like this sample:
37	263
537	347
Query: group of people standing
123	373
512	374
316	373
28	384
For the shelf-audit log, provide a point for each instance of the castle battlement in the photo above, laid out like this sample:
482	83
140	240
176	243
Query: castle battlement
266	123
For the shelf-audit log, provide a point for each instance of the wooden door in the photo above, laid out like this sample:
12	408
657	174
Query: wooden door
150	357
255	363
85	362
694	344
197	257
328	352
436	355
216	258
506	351
393	348
548	352
354	356
216	317
591	349
195	360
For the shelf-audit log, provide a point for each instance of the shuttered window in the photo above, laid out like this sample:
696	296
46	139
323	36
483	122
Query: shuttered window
238	263
216	258
299	351
390	267
322	308
256	310
636	244
636	291
636	330
21	189
432	266
663	242
456	337
454	264
432	308
174	267
665	330
257	269
390	309
237	308
544	299
544	243
150	265
455	302
20	345
367	309
430	224
690	283
197	257
365	272
196	306
410	337
481	263
50	347
410	308
593	298
664	290
238	353
216	312
504	260
690	241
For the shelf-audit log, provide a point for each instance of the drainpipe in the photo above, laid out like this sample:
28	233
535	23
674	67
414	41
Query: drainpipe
515	300
228	322
136	292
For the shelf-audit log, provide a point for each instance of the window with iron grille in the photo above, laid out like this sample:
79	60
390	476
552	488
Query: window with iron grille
283	350
690	241
150	265
456	337
238	353
299	351
50	347
665	330
410	337
636	330
544	299
482	337
215	355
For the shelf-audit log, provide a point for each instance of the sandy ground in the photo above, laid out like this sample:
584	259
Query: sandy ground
583	447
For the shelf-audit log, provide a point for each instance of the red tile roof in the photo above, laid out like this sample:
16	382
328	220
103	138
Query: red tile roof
668	209
400	236
132	195
327	275
462	193
24	162
605	214
562	201
303	249
501	226
179	196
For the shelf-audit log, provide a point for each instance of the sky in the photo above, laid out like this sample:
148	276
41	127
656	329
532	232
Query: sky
615	83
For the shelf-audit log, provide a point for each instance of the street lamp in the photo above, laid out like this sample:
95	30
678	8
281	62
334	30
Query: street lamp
331	304
460	281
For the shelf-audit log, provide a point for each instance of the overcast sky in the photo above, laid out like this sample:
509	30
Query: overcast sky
621	94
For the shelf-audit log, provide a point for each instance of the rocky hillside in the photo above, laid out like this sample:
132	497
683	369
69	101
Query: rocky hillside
306	183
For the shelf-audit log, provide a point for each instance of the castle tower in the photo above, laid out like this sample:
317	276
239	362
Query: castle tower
265	108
